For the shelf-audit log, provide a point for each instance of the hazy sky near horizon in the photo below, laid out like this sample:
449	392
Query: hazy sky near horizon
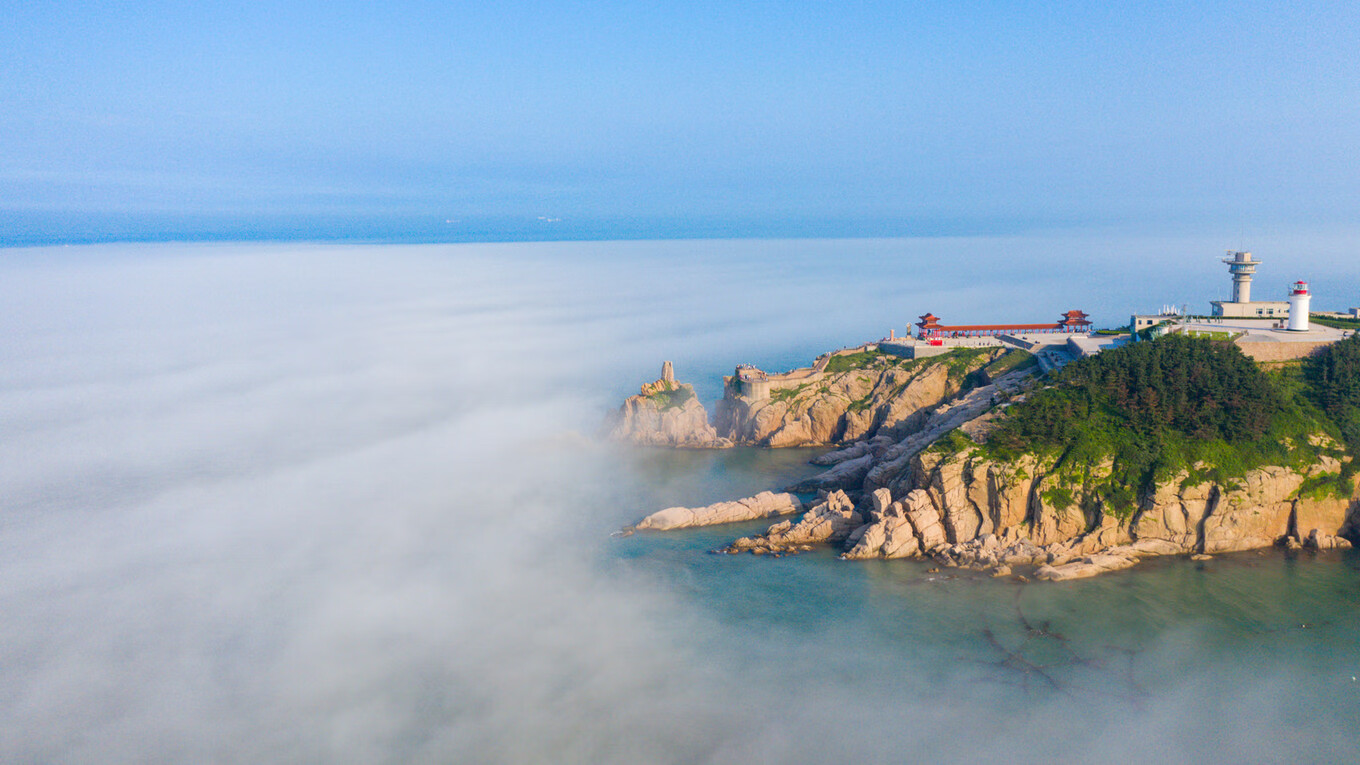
678	118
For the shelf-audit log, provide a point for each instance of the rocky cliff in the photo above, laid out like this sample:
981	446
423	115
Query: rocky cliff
845	398
999	513
664	413
963	510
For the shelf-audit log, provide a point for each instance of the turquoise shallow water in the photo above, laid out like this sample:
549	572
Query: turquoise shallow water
1263	638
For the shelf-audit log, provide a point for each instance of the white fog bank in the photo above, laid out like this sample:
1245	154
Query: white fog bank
300	503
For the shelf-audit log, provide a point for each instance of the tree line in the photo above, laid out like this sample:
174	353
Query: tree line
1192	387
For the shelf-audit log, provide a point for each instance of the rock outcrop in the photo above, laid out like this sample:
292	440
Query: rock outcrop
885	459
763	505
892	531
1317	540
830	520
1113	559
841	401
665	413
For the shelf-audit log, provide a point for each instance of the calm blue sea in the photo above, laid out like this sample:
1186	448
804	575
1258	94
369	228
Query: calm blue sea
305	502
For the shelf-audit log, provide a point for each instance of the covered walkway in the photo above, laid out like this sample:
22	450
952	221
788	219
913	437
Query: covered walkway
929	327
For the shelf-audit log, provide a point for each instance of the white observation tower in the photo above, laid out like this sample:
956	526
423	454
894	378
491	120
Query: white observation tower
1298	307
1241	266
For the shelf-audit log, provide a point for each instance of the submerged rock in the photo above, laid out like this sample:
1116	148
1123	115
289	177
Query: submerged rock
1113	559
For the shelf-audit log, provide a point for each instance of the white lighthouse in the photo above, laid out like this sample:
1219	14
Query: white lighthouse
1298	307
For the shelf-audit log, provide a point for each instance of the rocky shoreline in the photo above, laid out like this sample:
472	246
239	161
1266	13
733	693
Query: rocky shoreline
915	527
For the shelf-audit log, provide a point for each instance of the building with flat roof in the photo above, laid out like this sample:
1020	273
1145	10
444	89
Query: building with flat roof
1141	321
1260	309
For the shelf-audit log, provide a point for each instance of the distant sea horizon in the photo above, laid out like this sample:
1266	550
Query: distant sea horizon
25	228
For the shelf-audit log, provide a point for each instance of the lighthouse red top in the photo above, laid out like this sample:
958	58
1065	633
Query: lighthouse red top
1300	288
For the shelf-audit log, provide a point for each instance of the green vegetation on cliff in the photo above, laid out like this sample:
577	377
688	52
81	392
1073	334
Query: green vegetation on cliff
848	361
788	394
1198	388
959	361
1115	424
1334	382
672	399
1012	360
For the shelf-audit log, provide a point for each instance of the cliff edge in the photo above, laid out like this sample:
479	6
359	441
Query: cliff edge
664	413
843	397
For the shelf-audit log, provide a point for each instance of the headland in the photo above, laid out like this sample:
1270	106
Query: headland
1049	451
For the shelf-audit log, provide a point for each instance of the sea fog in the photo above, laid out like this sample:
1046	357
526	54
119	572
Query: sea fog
344	503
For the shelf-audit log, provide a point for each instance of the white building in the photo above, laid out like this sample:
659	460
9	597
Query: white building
1141	321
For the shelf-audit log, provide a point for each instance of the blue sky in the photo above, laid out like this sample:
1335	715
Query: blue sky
494	120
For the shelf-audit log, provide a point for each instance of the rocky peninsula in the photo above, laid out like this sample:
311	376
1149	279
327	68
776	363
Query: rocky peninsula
1177	446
